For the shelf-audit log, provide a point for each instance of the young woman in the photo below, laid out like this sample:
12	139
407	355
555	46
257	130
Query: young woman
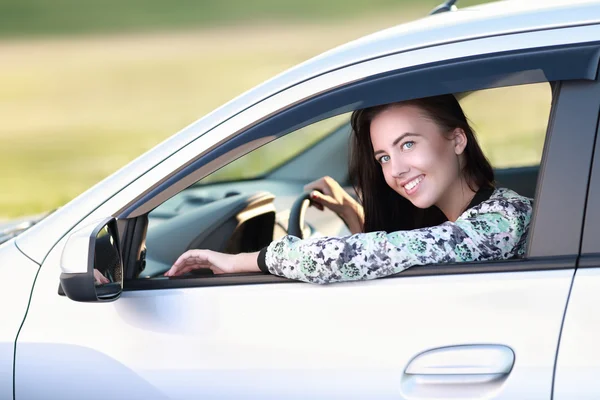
427	194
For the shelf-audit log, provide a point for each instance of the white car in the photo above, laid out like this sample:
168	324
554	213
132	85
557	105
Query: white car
517	329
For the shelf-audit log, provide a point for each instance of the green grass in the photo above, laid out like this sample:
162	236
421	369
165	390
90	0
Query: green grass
44	172
76	109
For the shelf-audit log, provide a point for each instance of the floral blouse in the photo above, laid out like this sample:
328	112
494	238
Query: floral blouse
494	229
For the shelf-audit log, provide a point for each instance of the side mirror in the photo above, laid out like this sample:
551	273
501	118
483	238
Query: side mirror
91	263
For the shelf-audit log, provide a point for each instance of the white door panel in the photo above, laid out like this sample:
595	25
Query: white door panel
578	362
286	340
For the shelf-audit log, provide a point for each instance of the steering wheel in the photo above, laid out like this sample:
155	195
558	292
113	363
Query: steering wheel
296	220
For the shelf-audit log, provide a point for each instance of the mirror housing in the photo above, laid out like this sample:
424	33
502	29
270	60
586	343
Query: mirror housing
91	263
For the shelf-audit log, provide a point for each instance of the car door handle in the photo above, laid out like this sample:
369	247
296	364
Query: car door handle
463	360
465	371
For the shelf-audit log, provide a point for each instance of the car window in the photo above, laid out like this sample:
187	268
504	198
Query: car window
240	208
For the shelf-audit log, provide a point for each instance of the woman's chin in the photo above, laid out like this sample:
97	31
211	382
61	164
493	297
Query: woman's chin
422	206
421	202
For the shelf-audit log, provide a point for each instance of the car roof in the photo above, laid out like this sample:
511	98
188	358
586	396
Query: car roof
491	19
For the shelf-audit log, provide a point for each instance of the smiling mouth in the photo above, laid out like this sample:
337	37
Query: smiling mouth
412	185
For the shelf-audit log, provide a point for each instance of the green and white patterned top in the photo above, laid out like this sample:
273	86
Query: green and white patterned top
495	229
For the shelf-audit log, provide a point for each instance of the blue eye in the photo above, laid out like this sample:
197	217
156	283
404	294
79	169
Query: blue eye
383	159
408	145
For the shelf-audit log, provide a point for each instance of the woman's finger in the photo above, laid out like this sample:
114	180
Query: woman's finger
179	270
188	261
320	185
181	259
178	265
312	185
189	257
323	199
217	270
314	201
185	270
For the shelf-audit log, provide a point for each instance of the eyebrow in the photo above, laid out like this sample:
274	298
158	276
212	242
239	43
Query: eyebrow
398	139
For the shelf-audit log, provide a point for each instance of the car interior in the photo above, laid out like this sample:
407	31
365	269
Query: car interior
226	213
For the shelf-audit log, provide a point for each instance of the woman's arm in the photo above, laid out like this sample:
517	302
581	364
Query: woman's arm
354	216
490	231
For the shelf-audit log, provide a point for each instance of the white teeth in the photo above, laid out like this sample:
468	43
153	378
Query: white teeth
410	185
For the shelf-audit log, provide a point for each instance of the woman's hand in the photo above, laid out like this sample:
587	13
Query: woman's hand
334	197
331	195
218	263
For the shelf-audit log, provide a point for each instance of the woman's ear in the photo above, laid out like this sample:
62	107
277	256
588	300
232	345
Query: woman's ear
460	140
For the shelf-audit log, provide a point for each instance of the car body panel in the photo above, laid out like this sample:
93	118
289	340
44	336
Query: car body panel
347	340
19	273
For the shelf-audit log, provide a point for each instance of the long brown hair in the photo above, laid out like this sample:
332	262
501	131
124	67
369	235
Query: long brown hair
386	210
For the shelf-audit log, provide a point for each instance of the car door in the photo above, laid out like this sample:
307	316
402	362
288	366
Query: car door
476	330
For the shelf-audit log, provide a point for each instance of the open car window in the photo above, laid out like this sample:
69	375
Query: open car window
245	205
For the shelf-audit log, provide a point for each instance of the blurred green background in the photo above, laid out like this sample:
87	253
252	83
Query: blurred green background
43	17
87	86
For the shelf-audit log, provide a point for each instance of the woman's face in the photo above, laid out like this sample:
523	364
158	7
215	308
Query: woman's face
418	160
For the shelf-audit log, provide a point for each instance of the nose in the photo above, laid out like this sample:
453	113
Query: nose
399	167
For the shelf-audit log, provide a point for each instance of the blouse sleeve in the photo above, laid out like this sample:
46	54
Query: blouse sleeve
490	231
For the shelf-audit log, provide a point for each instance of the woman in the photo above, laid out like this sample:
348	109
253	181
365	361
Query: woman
427	194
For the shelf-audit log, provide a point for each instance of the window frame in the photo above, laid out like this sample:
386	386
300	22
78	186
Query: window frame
556	229
575	65
590	249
